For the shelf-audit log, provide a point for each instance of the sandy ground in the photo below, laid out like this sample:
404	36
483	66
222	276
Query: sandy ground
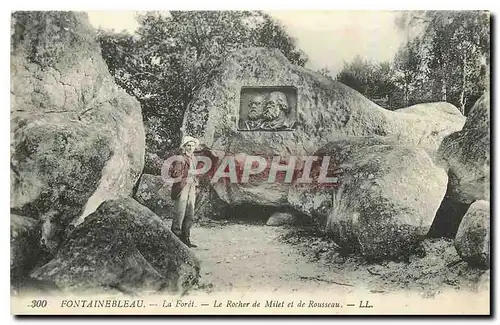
255	257
243	257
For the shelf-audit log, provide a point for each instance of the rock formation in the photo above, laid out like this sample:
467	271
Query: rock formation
24	245
124	246
77	139
326	111
387	197
465	155
153	192
473	236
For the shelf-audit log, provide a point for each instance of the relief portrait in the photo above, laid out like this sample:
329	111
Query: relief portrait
267	109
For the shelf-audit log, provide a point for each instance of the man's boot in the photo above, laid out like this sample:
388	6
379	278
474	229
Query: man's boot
187	241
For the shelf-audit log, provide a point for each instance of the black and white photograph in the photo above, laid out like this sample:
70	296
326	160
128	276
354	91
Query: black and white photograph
250	162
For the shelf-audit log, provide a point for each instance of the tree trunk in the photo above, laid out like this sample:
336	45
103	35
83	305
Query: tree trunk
443	89
444	83
406	96
463	99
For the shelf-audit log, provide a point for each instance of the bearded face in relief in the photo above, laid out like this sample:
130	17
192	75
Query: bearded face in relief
256	106
276	105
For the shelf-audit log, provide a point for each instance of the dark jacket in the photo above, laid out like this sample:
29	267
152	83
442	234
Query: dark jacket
182	168
179	169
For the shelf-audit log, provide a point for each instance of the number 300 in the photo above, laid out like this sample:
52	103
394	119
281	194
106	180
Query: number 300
38	303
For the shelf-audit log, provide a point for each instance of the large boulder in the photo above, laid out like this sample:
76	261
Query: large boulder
125	246
386	200
77	139
466	157
208	204
473	236
154	193
273	194
443	118
326	111
24	245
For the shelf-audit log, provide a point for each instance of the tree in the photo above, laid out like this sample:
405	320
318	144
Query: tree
384	85
471	38
454	52
326	72
409	69
173	54
374	81
358	75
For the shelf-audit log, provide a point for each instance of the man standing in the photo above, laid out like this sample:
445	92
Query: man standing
184	192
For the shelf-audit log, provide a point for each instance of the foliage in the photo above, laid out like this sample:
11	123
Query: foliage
173	54
374	80
358	74
446	58
457	46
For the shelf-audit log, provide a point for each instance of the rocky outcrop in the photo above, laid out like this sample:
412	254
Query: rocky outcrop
257	194
153	192
473	236
466	155
386	200
442	118
326	110
77	139
124	246
208	204
24	245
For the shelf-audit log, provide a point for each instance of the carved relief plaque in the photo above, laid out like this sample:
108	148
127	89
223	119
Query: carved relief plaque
267	108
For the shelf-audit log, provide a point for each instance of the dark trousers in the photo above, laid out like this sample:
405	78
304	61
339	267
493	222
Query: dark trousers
184	211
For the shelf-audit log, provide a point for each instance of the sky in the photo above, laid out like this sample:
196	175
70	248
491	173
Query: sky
328	37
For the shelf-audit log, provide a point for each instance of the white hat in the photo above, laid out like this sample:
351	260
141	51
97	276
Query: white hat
187	139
